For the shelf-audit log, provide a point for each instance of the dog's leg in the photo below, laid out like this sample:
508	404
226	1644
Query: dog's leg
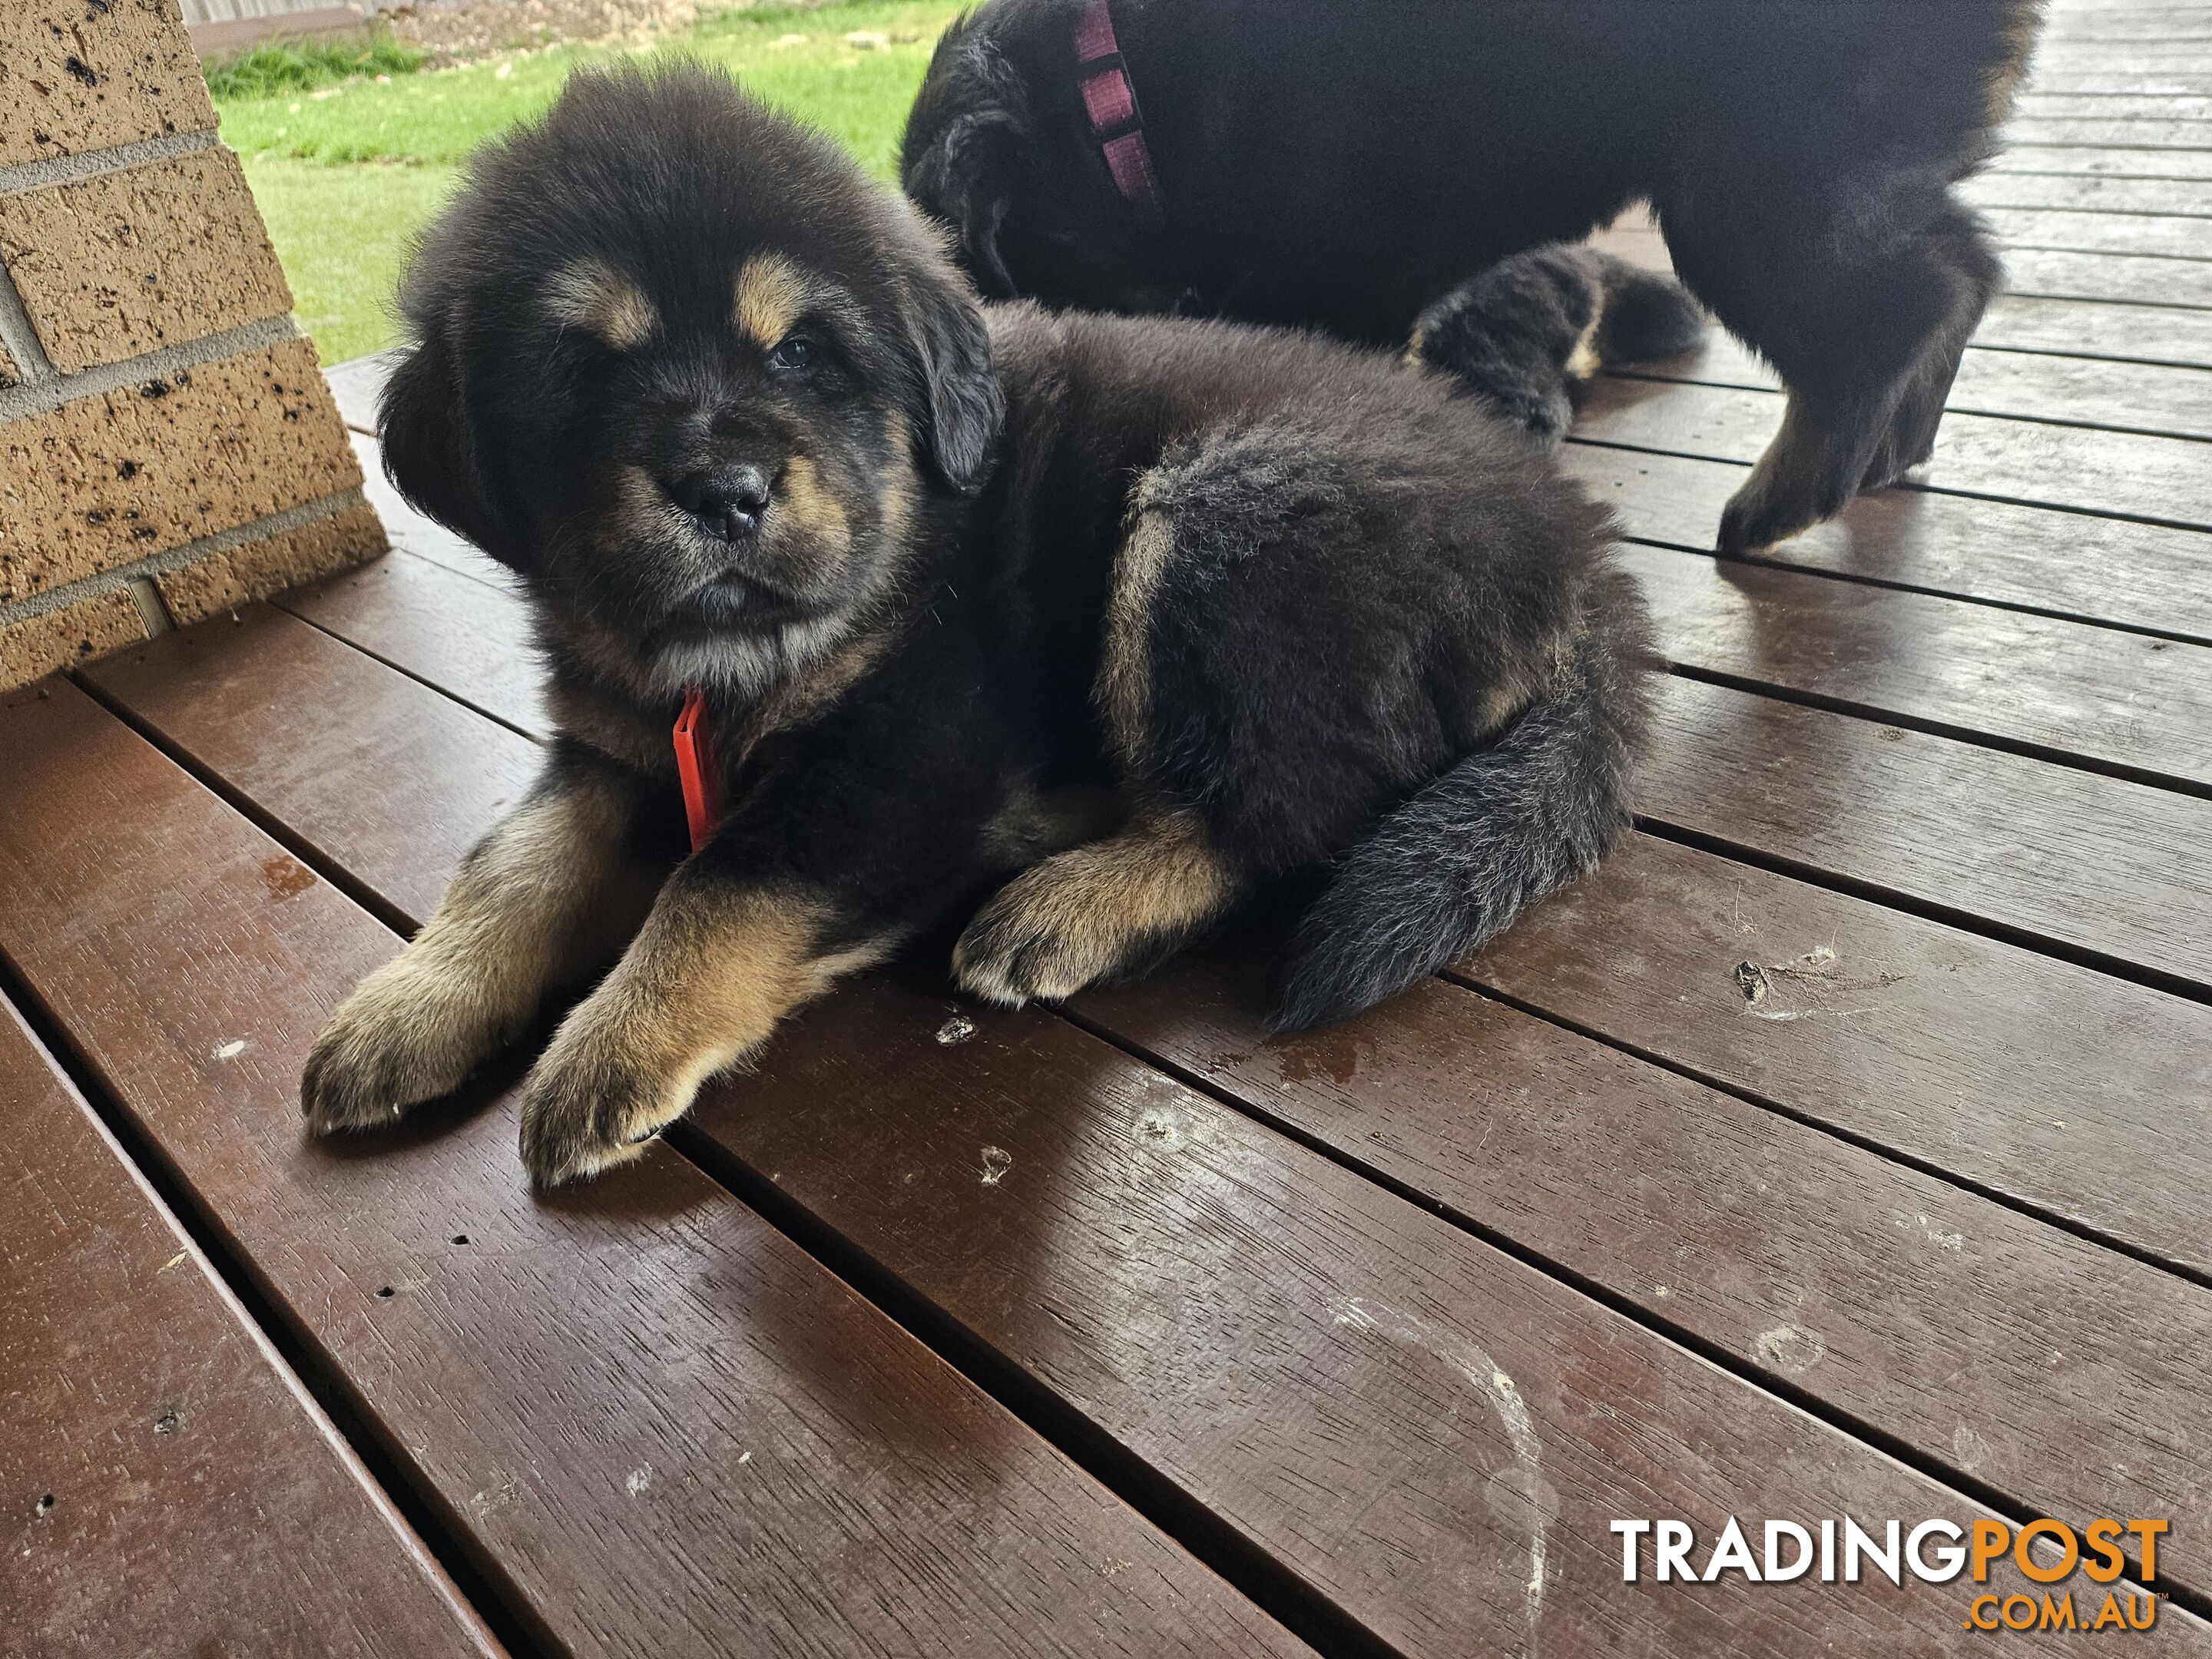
546	899
1863	304
1099	912
715	969
856	837
1526	334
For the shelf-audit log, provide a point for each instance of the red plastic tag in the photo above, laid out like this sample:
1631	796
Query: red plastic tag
697	767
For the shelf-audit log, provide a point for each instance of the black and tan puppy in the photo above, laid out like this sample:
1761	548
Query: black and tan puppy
1345	165
1125	618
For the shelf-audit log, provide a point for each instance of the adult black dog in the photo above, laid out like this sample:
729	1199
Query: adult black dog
1131	617
1345	165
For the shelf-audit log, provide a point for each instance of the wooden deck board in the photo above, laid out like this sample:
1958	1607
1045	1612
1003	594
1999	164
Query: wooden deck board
2116	474
664	1427
2163	399
1955	1325
1353	1250
2148	577
171	1488
2092	195
2101	161
2172	335
2087	695
1243	1313
2087	864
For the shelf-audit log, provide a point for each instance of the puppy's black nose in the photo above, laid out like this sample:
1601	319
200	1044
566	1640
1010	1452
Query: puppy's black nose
728	500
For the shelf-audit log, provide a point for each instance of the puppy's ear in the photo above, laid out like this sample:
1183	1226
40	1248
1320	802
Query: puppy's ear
962	150
960	404
429	452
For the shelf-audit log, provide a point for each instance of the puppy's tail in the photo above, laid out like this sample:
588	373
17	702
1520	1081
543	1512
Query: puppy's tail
1645	315
1508	824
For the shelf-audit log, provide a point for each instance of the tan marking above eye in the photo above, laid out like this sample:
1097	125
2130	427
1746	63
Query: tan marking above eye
591	294
771	295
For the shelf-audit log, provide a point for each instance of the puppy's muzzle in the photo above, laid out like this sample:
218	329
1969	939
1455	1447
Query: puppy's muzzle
727	502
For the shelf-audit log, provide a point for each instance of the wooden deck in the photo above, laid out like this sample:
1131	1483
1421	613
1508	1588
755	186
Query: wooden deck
1842	1149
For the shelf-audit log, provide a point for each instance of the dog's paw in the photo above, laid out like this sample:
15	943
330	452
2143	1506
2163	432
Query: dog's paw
590	1106
408	1034
1018	949
1545	416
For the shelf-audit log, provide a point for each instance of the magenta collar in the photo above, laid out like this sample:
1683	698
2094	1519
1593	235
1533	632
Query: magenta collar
1111	101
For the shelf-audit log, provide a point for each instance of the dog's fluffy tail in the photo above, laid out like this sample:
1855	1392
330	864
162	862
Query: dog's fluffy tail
1645	315
1508	824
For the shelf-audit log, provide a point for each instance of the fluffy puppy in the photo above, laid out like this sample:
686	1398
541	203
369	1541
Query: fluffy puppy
1313	162
1123	619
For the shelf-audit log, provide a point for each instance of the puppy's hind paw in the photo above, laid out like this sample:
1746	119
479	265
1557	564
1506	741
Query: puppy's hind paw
1011	954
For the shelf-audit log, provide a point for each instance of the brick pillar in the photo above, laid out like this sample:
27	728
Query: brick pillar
167	446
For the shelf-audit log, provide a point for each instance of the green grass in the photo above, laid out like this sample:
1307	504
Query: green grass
341	234
345	174
287	66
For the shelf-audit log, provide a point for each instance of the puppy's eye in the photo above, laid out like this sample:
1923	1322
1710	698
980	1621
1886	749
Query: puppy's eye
796	351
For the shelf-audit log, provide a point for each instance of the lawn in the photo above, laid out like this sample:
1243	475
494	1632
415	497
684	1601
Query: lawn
346	173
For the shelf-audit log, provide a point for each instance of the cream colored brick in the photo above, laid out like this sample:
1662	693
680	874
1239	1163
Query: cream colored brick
223	580
79	74
62	639
128	262
105	480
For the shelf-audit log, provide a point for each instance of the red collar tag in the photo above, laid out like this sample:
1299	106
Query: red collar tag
701	773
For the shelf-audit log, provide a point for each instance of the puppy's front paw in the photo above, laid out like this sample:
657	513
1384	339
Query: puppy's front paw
589	1105
408	1033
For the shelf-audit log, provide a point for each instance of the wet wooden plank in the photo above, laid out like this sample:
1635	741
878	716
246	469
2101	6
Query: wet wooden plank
2136	105
2071	304
2075	1094
469	637
1125	1236
2087	863
2157	398
2166	196
2131	474
2154	334
2140	279
2125	702
2122	134
2120	79
236	677
2127	39
2141	576
1289	1346
2130	26
2106	162
2170	235
1886	1292
152	1439
666	1427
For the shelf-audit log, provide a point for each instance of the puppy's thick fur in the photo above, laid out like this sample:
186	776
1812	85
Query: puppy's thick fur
1127	618
1346	165
1527	335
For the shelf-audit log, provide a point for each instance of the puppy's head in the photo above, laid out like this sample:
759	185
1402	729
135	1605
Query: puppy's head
997	146
693	375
